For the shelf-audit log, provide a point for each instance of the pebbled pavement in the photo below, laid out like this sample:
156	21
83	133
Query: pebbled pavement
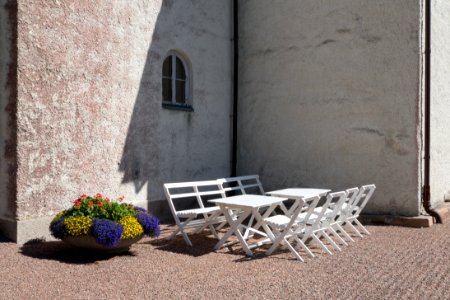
391	263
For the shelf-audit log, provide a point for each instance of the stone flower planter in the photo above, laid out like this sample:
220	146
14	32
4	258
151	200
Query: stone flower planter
89	243
98	224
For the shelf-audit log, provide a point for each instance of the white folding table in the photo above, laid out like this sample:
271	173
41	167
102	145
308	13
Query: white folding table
248	205
298	193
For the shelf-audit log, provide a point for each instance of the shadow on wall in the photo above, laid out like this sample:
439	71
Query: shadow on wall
162	144
140	158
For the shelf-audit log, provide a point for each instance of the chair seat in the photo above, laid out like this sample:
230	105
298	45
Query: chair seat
312	218
189	213
319	209
345	206
281	221
278	221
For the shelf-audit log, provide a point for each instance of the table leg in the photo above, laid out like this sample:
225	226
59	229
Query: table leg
262	223
260	220
234	228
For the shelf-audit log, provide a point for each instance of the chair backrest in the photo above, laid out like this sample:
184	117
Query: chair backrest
348	205
187	191
338	199
249	184
303	205
315	213
364	195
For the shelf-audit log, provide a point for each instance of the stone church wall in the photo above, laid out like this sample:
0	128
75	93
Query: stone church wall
90	117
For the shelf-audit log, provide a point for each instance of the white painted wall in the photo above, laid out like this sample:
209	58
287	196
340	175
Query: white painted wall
440	100
329	96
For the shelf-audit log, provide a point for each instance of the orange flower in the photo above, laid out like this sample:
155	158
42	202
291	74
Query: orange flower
99	195
99	204
83	196
91	203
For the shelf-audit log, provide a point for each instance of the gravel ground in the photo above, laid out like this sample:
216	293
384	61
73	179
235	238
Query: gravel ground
391	263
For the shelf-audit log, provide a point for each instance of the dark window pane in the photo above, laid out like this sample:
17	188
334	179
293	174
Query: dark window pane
181	96
167	66
167	89
180	70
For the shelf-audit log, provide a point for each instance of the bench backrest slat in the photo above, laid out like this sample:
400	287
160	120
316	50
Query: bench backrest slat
184	191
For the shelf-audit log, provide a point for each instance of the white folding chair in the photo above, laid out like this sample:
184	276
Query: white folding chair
321	220
355	208
288	228
196	218
344	213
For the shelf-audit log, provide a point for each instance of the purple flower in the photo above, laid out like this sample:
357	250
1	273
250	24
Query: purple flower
149	223
106	232
140	209
57	228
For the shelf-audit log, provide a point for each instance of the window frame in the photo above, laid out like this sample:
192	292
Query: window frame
173	104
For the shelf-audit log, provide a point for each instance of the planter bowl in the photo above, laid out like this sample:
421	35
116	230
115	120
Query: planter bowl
88	242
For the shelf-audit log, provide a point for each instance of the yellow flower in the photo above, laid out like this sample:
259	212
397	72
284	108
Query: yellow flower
131	227
76	226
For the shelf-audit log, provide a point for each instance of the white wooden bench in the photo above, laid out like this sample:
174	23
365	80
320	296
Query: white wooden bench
197	218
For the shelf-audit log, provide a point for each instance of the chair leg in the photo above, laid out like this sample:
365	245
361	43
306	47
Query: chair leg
347	236
330	240
180	228
211	226
275	244
335	234
349	224
221	225
214	232
199	229
186	239
293	251
281	240
313	235
246	233
174	233
304	246
361	226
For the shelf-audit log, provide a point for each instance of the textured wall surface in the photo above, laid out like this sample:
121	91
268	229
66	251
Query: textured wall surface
440	99
8	104
329	96
90	115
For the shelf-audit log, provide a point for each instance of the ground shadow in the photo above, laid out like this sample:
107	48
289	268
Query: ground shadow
4	239
203	244
62	252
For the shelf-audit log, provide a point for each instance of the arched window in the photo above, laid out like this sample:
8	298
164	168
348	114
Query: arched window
176	82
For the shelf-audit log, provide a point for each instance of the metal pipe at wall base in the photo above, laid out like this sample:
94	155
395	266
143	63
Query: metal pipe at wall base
427	206
426	195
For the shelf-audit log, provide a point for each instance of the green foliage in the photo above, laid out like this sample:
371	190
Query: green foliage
98	207
117	211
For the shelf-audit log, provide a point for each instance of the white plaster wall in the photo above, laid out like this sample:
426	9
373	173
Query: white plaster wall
328	96
90	115
440	100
